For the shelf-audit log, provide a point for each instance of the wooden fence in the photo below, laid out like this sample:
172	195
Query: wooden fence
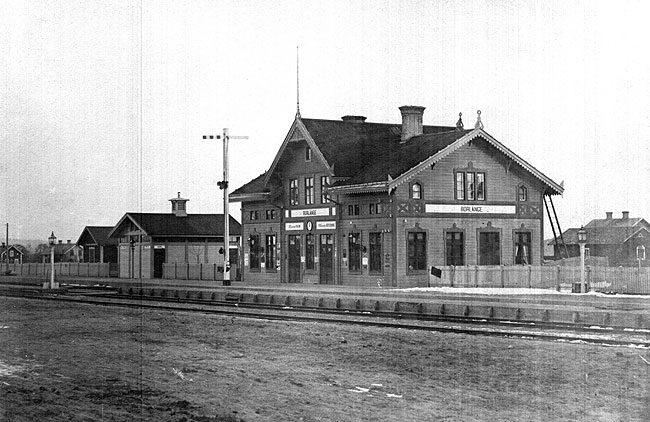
71	269
599	278
185	271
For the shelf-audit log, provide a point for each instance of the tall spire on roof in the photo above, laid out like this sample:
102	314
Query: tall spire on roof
297	83
459	123
479	123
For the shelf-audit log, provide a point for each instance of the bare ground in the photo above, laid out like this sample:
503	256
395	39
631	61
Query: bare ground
75	362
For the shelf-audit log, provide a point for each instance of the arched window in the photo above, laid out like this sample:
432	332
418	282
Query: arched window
522	194
416	191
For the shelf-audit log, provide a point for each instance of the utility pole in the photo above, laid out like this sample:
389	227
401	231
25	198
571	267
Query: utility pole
226	214
7	253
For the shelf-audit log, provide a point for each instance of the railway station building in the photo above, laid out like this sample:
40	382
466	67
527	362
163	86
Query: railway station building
148	241
357	203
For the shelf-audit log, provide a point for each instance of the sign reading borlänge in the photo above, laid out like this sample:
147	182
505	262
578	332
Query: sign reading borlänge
469	209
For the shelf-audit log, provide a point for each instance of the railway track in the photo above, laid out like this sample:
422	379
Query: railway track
560	332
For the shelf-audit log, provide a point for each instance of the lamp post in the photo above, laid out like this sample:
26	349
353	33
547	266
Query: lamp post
52	285
582	240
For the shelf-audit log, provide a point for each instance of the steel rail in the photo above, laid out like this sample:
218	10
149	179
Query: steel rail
366	318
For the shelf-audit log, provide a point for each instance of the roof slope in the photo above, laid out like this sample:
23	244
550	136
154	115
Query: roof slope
396	160
198	225
99	234
614	222
601	235
349	146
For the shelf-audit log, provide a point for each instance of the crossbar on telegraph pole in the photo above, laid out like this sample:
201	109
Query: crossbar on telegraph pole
226	213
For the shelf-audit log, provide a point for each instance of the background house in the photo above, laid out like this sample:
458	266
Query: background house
614	238
14	252
63	252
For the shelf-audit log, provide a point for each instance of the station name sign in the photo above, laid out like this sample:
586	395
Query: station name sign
294	226
311	212
469	209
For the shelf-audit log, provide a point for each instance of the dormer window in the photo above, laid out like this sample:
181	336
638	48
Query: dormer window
307	154
416	191
522	194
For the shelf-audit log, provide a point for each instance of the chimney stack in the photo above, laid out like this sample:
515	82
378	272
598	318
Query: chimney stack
626	215
411	121
353	119
179	208
608	215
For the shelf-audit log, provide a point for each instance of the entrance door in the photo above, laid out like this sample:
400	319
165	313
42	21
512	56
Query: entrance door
158	261
294	259
326	261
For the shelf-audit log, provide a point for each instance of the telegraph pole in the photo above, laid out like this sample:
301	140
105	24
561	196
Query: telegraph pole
226	213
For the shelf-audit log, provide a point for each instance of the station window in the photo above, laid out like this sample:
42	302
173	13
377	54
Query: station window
270	252
270	214
416	191
374	208
417	251
522	194
256	251
354	246
293	191
489	248
254	215
324	183
470	185
522	248
354	209
309	190
309	252
375	252
455	248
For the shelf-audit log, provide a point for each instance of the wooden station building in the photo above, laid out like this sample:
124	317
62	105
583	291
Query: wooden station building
356	203
146	241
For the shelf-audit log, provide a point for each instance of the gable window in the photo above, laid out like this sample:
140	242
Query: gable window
307	154
354	246
522	248
416	251
309	252
489	245
254	215
354	209
416	191
470	185
270	214
309	190
293	192
324	183
256	251
455	248
270	252
522	194
375	252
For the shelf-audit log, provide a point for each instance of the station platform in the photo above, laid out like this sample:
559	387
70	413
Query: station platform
534	305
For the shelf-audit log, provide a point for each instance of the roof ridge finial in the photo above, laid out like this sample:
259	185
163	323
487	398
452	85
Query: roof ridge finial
297	82
459	123
479	123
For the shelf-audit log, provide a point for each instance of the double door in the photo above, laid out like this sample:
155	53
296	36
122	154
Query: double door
325	258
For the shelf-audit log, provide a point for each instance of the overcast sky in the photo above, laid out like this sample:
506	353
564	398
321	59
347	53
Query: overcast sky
103	104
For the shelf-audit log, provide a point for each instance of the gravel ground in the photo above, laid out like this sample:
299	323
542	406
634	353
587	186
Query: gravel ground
78	362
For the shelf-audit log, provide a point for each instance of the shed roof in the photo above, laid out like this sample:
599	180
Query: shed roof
192	225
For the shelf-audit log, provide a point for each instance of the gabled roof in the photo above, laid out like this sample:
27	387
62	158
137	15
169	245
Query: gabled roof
60	249
616	222
603	235
98	235
169	225
14	247
371	156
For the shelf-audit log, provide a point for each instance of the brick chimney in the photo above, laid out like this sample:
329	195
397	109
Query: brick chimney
179	208
608	215
626	215
411	121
